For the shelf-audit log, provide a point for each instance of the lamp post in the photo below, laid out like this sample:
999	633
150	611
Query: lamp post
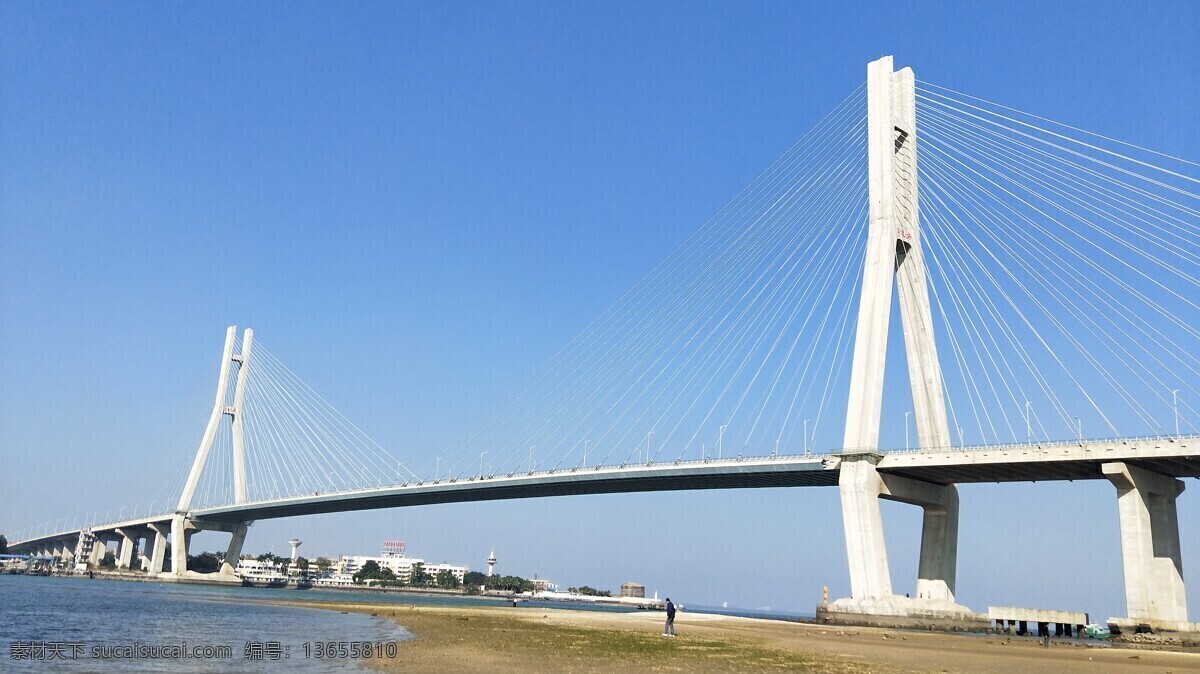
531	448
721	441
1079	430
585	448
906	416
1028	426
648	437
806	437
1175	399
481	455
960	439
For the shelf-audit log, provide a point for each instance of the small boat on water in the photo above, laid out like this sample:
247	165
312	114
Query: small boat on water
265	581
256	573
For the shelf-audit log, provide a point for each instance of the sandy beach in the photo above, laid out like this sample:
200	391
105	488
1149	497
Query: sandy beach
506	639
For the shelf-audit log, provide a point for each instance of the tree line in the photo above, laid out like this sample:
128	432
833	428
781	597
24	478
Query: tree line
373	574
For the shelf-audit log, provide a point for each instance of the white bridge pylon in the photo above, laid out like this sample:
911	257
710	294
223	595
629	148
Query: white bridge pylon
240	375
894	257
182	528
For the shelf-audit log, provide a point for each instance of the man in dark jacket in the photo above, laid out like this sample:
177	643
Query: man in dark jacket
669	628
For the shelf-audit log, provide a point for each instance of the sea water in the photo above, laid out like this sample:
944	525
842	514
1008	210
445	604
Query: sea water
52	624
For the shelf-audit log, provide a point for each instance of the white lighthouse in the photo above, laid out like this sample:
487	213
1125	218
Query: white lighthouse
491	561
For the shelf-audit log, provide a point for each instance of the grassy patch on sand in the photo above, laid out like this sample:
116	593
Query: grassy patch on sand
506	640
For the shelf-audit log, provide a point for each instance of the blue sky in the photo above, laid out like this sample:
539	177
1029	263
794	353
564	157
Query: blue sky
415	205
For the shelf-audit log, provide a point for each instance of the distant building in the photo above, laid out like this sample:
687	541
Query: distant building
543	585
394	558
633	590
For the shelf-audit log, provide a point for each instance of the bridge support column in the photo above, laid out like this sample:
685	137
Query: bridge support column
159	551
181	538
1150	554
99	547
125	553
234	551
938	567
861	486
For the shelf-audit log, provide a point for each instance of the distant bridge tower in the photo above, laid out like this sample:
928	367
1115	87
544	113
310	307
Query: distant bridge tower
491	562
894	257
182	528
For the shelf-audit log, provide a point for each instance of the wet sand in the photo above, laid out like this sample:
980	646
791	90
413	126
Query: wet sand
506	639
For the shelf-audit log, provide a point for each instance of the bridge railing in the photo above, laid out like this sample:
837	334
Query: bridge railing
1075	442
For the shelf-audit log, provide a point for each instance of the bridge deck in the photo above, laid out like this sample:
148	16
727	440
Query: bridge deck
1177	457
727	474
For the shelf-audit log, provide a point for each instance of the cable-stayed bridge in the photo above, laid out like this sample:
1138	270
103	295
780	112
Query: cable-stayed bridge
1046	279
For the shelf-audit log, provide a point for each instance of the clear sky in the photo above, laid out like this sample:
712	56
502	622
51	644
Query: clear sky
414	205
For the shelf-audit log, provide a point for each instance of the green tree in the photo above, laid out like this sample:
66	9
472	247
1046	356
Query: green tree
590	591
509	584
473	580
323	564
446	579
109	561
369	571
3	545
302	565
418	575
205	562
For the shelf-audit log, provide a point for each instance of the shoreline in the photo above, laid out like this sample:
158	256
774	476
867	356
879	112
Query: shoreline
487	639
525	638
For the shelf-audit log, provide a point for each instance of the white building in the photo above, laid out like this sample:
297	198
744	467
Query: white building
400	565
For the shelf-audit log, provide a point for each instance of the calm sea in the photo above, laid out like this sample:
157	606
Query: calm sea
90	621
117	626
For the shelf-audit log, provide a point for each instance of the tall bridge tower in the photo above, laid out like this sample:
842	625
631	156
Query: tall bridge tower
894	257
226	404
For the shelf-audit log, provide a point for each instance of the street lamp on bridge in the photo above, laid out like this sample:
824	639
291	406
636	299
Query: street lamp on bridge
1028	426
1175	399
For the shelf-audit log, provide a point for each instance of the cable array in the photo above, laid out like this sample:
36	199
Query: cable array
296	443
1064	275
1064	284
731	345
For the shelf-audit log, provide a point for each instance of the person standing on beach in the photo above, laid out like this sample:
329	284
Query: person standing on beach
669	628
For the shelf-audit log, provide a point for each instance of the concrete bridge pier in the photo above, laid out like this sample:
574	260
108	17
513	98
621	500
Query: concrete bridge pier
159	550
128	550
181	531
862	486
1150	553
234	551
181	539
97	553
